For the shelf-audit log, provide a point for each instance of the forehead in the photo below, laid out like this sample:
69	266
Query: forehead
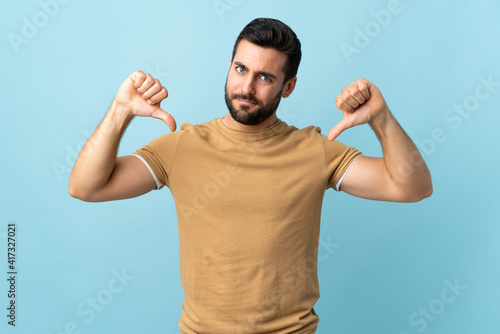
257	58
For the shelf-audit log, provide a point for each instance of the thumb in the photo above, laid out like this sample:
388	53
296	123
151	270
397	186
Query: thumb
337	130
165	117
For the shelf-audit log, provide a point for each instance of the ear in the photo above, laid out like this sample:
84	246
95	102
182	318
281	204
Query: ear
289	87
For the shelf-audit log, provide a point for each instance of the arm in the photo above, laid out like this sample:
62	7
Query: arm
98	175
401	175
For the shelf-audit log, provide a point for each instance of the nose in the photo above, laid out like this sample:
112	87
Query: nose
247	86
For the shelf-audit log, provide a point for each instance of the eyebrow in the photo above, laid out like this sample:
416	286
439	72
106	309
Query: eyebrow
267	74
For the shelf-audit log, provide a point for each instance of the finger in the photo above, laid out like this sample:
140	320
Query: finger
356	93
153	90
364	87
337	130
165	117
147	84
342	105
138	78
346	96
157	98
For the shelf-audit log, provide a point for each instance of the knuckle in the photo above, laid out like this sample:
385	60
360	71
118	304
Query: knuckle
139	78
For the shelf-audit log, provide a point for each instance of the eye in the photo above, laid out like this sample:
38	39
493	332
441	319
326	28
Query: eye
240	69
264	78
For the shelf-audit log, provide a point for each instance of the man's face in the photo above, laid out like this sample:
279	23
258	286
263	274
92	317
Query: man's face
255	82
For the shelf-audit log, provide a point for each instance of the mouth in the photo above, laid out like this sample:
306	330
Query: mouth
245	102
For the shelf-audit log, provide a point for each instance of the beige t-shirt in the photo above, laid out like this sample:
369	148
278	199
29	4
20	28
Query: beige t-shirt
248	207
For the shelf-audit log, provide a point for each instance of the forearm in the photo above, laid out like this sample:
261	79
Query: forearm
97	158
405	167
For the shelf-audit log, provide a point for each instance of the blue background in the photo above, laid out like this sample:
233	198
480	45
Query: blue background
379	262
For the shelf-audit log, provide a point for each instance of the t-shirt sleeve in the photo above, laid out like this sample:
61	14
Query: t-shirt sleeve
159	156
338	159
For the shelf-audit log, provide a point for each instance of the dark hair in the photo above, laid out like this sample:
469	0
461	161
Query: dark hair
274	34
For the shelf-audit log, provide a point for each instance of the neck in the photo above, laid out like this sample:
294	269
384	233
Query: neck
233	124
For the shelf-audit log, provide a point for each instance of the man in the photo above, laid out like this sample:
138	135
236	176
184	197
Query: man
248	188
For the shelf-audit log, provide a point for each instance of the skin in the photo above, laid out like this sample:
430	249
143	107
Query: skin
400	175
98	175
257	72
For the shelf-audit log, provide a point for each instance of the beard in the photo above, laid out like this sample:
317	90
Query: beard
243	115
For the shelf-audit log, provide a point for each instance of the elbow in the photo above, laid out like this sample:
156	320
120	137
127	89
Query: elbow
73	189
78	193
423	193
75	193
421	196
84	190
429	191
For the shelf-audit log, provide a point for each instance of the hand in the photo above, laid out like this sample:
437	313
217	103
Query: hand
141	95
360	103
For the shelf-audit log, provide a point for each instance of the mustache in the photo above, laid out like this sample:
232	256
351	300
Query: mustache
250	98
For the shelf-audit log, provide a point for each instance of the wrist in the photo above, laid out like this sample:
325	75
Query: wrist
116	119
120	114
381	120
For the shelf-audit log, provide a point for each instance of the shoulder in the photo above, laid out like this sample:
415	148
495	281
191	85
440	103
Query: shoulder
201	129
310	133
306	131
187	130
313	135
